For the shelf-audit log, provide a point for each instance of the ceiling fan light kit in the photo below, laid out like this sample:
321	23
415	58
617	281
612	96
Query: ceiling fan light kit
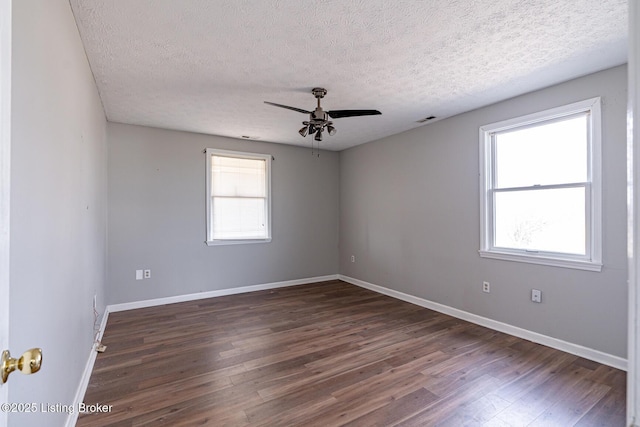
319	120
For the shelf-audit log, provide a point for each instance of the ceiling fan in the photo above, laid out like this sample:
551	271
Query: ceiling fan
319	119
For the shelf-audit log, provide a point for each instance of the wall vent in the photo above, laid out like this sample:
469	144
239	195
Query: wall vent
426	119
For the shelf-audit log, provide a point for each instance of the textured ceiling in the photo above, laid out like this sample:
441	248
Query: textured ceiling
207	65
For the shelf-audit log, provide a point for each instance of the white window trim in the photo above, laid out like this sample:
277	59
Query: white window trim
593	260
239	154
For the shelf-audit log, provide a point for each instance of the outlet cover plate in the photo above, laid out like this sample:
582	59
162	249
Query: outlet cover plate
536	295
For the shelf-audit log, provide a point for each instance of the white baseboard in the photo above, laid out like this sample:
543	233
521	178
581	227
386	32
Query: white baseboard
218	293
578	350
72	419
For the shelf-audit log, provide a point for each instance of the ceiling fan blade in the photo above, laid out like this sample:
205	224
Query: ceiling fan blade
337	114
300	110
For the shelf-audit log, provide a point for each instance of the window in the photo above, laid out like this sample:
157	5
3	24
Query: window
238	197
540	188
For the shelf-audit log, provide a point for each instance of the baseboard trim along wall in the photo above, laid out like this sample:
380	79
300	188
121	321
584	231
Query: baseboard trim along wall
578	350
72	419
217	293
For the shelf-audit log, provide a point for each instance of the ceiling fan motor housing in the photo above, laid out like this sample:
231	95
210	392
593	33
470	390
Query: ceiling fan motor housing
318	116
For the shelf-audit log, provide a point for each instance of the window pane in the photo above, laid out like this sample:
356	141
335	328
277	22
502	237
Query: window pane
237	177
238	218
541	220
549	153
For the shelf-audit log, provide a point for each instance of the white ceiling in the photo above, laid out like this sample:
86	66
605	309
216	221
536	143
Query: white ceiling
207	65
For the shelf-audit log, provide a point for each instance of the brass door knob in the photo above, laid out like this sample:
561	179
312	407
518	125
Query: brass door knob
29	363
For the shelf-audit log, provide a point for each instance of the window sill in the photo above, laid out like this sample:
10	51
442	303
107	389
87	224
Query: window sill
542	260
236	242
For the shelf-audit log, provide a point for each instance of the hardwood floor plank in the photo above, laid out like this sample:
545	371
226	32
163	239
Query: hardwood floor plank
446	406
333	354
396	410
475	412
569	408
538	368
562	387
314	391
609	411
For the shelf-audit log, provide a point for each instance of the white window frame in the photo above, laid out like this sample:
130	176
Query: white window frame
592	261
210	152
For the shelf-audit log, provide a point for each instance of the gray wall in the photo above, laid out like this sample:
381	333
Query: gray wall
157	216
409	212
58	205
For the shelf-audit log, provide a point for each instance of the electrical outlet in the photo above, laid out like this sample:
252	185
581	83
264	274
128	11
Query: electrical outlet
353	258
486	287
147	274
536	295
139	275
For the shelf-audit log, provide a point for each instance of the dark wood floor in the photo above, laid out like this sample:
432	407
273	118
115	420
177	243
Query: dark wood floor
333	354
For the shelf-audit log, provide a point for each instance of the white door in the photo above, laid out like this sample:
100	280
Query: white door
5	138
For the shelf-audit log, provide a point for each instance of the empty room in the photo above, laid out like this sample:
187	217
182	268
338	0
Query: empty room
327	213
